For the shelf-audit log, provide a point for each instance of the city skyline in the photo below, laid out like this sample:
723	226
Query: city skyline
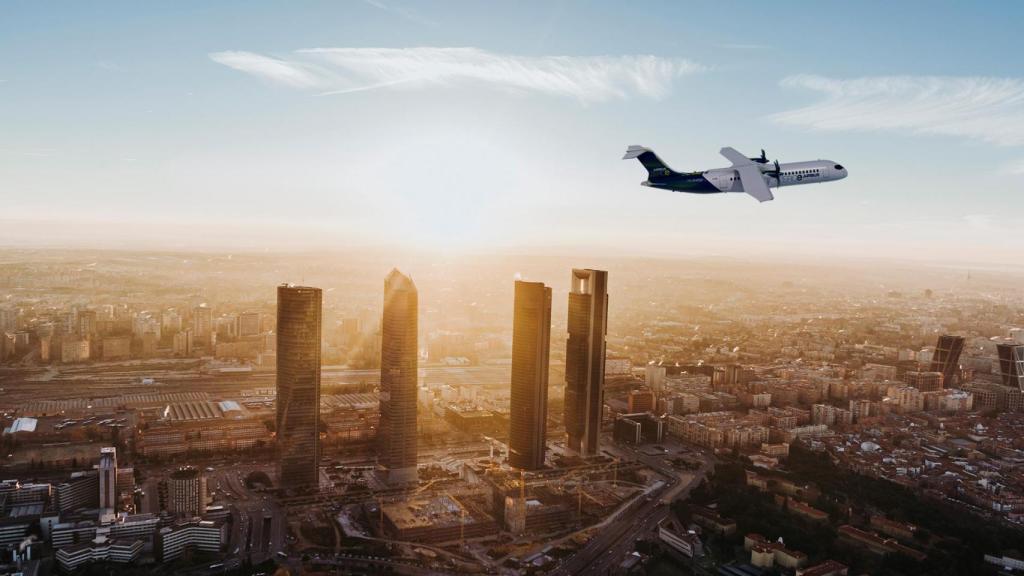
518	133
703	382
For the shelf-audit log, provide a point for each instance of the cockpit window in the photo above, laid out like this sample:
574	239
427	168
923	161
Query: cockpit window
839	166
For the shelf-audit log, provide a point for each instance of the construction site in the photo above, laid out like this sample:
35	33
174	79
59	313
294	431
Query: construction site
484	515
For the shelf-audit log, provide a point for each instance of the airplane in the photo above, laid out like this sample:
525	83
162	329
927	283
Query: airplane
755	176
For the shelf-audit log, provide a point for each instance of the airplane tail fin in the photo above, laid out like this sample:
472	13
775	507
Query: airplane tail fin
655	167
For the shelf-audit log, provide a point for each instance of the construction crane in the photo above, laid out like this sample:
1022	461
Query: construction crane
380	498
462	517
493	442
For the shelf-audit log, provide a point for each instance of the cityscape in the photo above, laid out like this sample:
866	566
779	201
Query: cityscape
531	288
646	416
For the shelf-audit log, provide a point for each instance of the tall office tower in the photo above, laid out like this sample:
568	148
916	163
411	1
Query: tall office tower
108	479
249	324
170	321
531	347
349	332
396	435
8	319
584	359
86	323
183	344
202	324
654	378
1011	364
186	492
298	386
946	358
924	381
640	401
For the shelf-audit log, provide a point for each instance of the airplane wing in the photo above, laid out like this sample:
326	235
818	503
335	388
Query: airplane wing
735	157
753	180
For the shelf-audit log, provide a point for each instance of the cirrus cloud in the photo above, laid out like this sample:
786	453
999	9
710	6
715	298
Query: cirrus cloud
347	70
987	109
293	74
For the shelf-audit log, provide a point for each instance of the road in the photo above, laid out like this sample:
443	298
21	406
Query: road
614	541
258	525
359	564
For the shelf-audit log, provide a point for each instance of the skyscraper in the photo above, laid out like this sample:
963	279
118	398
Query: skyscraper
396	435
202	324
249	324
947	358
584	359
86	323
654	378
298	385
1011	364
531	346
924	381
183	343
186	492
108	479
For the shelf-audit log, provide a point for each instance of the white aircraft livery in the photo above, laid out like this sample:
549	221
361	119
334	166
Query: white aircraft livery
755	176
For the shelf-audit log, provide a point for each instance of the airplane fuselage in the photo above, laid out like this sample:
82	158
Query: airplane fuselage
719	180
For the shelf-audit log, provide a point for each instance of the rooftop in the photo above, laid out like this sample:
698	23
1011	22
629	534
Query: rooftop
21	425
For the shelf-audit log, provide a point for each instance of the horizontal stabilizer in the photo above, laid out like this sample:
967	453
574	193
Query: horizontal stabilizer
634	151
656	169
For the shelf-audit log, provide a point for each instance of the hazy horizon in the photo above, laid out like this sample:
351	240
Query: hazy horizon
144	236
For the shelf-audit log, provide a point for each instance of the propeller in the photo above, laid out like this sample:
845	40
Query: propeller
778	174
764	158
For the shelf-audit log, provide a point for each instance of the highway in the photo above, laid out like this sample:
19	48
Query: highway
603	553
361	564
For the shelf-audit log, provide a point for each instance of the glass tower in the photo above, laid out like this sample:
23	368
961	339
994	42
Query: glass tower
298	386
585	358
531	346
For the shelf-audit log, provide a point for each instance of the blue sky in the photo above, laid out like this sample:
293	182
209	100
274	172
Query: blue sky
473	125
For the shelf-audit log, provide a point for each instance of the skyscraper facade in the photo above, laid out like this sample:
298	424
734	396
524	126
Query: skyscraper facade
947	358
654	378
298	385
585	358
924	381
108	479
186	492
531	346
396	435
202	324
1011	364
249	324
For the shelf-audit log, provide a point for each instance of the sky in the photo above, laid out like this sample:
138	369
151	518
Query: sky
475	126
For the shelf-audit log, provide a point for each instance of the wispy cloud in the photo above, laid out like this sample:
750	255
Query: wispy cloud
346	70
401	12
294	74
108	65
979	108
745	46
30	152
1014	168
